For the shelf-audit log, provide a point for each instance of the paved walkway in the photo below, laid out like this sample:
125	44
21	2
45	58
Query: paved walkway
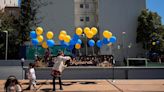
97	86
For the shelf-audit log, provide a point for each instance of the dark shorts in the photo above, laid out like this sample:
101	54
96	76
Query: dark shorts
55	73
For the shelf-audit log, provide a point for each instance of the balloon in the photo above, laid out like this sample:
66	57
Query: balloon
86	30
40	38
89	34
153	43
157	42
107	34
112	39
75	37
61	37
35	41
94	30
67	39
77	46
99	43
39	30
50	35
72	42
91	43
79	31
64	43
50	43
33	34
63	32
106	41
70	47
79	41
44	45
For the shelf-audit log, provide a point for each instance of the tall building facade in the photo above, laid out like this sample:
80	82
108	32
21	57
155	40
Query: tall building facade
117	16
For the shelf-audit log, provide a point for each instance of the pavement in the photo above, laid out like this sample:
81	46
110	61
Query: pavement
154	85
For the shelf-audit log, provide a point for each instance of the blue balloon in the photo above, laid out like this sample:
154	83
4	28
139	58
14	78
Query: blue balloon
99	43
33	34
72	42
35	41
106	41
64	43
113	39
70	47
75	37
50	43
79	41
157	42
91	43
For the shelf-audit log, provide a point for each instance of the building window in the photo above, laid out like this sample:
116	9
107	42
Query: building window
87	6
81	19
87	19
81	5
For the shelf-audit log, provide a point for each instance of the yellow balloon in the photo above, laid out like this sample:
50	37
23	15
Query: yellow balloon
79	31
77	46
44	45
86	30
39	30
89	34
153	43
40	38
50	35
67	39
107	34
61	37
94	30
63	32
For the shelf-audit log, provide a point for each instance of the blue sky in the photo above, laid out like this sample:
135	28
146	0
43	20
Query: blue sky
156	6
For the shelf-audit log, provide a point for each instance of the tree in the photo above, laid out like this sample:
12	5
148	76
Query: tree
28	17
150	32
8	23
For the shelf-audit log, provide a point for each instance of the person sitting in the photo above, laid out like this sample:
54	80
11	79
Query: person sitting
12	84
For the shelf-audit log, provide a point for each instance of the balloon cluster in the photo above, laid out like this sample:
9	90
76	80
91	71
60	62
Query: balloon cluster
37	38
75	41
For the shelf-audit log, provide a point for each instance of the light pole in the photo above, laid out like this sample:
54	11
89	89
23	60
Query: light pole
123	43
6	44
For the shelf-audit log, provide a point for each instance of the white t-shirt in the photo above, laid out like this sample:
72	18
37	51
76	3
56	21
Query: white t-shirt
59	64
32	73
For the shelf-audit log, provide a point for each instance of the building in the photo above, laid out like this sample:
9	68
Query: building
10	7
4	3
118	16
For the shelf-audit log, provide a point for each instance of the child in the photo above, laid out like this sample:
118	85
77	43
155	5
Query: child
12	85
31	76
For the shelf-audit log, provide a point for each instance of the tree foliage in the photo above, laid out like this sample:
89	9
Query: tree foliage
150	31
19	28
9	23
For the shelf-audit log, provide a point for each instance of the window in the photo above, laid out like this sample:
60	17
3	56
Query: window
87	19
81	19
86	5
81	5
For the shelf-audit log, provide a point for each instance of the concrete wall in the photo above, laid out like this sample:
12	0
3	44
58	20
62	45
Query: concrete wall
105	73
121	16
